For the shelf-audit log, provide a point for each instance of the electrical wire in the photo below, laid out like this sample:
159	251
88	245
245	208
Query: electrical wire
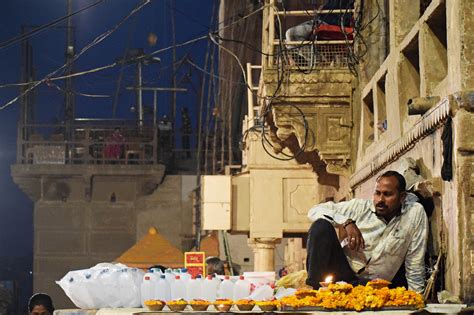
215	76
72	75
57	87
96	41
76	74
43	27
353	61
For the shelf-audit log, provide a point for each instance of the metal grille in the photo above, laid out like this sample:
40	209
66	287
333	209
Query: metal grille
327	55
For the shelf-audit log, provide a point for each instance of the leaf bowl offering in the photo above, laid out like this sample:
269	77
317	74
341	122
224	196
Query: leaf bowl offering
223	305
154	305
245	305
199	305
267	306
177	305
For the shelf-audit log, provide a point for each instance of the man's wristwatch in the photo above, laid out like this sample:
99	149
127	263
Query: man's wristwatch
348	221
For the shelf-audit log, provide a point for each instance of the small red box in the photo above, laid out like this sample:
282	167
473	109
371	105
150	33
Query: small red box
195	262
194	258
196	270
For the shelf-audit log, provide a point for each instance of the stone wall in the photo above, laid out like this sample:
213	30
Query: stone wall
70	236
170	210
75	233
430	58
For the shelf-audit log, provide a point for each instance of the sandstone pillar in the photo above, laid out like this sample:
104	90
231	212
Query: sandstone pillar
264	253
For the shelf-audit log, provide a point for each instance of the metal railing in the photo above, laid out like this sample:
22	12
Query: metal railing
99	141
317	54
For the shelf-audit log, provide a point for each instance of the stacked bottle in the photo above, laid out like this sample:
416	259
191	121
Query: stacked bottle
185	276
148	286
162	289
241	289
226	289
194	288
210	288
178	288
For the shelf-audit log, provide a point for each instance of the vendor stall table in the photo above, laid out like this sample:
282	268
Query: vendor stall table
430	309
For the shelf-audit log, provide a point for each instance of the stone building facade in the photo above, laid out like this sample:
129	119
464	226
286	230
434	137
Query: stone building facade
347	110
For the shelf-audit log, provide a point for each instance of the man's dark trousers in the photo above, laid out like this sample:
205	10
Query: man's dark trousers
325	255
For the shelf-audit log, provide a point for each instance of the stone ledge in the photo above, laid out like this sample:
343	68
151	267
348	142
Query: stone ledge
84	170
431	121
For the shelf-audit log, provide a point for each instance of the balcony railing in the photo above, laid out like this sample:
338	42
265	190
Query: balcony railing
307	54
320	53
99	142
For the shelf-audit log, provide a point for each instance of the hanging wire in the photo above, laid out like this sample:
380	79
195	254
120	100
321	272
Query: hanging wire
96	41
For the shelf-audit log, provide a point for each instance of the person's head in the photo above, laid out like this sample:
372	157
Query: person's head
40	304
184	110
389	194
116	130
161	267
215	266
282	272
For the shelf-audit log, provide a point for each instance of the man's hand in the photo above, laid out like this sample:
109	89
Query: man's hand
356	241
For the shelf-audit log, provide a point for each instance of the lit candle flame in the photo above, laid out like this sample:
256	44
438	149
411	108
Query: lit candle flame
328	279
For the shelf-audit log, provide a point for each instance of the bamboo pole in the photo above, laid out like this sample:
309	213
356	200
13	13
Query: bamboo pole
173	81
208	109
199	147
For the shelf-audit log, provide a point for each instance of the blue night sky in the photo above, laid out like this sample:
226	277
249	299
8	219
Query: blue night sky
192	20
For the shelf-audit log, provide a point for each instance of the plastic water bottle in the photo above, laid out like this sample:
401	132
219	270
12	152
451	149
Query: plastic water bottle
169	276
178	289
185	276
241	289
194	289
146	288
156	271
209	289
226	289
162	289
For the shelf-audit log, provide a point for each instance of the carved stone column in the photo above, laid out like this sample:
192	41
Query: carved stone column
264	253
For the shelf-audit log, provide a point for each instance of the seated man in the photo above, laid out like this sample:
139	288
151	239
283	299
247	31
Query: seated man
382	234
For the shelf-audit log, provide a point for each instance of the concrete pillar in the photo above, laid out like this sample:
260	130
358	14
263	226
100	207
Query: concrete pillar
264	253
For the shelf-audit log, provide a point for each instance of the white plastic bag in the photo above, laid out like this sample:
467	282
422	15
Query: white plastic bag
282	292
260	277
262	293
104	285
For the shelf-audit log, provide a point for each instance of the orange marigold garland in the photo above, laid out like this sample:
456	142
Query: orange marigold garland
345	297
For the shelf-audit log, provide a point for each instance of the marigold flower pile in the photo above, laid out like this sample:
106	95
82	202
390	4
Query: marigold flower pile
177	302
154	302
199	302
223	302
268	303
245	302
344	296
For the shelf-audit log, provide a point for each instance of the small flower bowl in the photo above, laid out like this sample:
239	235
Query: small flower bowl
245	307
155	305
223	307
155	308
177	307
199	304
199	307
268	308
